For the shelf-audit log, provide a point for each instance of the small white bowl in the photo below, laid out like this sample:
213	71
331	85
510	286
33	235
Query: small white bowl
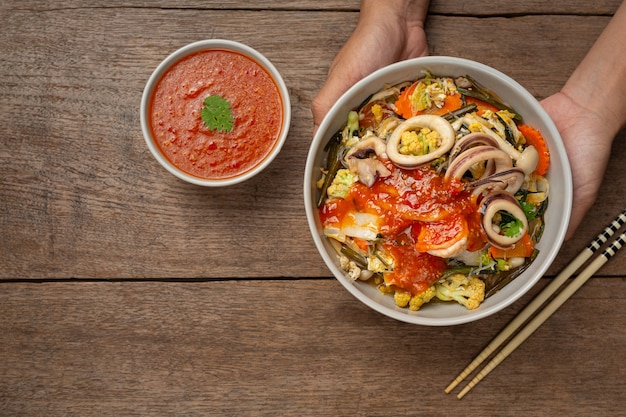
174	58
556	217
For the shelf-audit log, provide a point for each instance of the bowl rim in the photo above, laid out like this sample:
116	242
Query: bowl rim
217	44
404	315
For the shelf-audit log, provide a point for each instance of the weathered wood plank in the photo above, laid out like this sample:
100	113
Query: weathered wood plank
466	8
82	197
289	348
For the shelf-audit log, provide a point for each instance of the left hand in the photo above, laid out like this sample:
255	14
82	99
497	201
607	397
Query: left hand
588	146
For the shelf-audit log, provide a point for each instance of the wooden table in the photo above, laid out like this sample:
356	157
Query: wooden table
124	291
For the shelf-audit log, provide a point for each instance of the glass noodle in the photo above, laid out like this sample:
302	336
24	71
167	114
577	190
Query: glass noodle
434	190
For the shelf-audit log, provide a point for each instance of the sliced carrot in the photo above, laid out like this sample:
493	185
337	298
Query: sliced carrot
361	243
403	103
534	138
522	249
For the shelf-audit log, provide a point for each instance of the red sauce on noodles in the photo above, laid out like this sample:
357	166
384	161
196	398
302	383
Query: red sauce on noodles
419	210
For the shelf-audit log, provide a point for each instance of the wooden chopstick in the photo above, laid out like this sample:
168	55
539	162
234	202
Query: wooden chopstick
539	300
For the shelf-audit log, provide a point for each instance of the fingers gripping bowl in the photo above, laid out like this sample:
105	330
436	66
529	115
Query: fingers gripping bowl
485	163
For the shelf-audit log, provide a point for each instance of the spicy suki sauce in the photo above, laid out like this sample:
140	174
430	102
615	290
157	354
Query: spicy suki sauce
255	104
418	210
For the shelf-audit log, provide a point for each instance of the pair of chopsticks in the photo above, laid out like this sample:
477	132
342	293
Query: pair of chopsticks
523	333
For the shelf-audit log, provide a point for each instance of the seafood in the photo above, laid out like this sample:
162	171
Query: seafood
426	181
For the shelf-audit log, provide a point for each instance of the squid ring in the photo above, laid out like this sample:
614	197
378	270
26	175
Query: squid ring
472	156
510	180
432	122
490	206
471	140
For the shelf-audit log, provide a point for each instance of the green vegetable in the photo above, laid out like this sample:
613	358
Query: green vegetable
477	91
451	116
494	283
508	133
353	122
358	259
512	228
340	187
333	164
528	209
216	114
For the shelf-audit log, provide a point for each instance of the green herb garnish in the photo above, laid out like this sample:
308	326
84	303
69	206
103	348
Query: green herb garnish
216	114
529	210
512	228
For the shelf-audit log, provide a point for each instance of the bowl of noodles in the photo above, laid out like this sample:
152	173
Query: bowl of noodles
437	191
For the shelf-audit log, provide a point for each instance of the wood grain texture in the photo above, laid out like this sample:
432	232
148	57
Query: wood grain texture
81	196
289	348
459	8
125	292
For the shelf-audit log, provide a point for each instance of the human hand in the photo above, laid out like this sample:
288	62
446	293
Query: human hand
384	34
588	145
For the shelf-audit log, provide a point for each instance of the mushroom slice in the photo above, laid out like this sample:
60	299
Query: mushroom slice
368	146
368	170
361	159
416	123
492	204
472	156
528	159
509	180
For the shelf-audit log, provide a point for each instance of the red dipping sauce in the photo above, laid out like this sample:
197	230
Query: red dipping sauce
182	136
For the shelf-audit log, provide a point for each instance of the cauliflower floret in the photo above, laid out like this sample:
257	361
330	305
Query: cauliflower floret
354	272
401	298
417	301
377	111
341	183
468	291
384	288
418	143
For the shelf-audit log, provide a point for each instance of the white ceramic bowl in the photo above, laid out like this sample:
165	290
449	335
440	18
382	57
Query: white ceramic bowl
174	58
559	175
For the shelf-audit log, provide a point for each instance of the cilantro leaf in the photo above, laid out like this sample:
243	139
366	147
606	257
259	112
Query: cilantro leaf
512	228
216	114
529	210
